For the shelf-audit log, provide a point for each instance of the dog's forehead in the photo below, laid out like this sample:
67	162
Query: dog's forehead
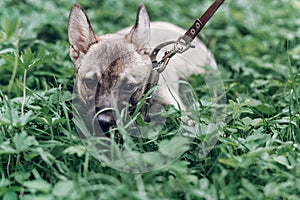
114	54
105	52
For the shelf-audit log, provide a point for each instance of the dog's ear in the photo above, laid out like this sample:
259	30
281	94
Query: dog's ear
140	33
80	33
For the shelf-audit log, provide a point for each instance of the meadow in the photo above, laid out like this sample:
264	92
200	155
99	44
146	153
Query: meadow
257	47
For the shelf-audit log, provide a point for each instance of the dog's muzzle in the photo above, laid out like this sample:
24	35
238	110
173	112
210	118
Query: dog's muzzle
105	120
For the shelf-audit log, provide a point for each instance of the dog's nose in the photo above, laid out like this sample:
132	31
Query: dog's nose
105	120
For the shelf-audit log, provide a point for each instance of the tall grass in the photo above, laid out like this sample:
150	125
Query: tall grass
256	45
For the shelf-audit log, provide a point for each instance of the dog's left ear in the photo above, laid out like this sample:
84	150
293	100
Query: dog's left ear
140	33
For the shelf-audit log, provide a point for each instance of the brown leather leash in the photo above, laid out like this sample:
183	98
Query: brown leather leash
183	43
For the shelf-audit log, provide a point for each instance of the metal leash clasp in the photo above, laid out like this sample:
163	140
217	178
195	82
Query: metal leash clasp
180	46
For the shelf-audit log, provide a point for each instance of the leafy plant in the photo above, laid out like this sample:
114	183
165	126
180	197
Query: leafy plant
256	45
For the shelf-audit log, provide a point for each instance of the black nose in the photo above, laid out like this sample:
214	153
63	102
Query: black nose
106	120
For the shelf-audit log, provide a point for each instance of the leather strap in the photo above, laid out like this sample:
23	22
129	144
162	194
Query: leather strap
197	26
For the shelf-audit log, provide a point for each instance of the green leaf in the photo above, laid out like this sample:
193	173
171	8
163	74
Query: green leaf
4	120
78	150
179	166
26	118
10	195
250	190
63	188
37	197
250	122
38	185
20	177
5	148
23	141
67	96
9	25
232	162
46	156
283	161
27	59
266	109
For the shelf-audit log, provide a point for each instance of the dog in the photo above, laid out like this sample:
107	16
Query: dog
114	69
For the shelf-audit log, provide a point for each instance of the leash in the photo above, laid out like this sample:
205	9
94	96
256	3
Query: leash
182	44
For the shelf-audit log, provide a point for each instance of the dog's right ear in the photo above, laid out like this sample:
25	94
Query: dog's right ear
80	33
140	33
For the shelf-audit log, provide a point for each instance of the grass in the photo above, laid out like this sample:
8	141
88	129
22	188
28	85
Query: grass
256	45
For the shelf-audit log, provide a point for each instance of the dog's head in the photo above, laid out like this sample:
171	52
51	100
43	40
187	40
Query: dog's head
112	68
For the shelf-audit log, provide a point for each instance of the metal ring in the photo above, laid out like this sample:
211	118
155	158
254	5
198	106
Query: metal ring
155	51
192	31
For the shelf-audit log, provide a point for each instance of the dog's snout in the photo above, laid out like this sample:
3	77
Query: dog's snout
106	120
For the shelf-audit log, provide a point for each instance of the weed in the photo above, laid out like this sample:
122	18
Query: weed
256	45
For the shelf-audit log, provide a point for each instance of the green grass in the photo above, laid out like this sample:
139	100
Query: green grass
257	47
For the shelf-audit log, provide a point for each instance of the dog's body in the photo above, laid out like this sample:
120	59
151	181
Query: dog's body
116	67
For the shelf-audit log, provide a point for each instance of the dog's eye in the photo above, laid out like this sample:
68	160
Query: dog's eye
129	87
90	82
